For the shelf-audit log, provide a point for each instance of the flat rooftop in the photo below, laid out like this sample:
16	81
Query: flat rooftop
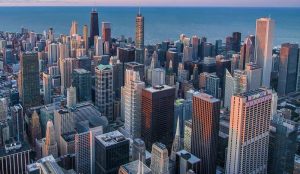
133	167
111	138
158	88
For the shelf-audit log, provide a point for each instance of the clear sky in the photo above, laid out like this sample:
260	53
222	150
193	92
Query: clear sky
246	3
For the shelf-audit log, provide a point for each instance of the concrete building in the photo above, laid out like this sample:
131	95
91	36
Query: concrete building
159	159
263	47
248	142
139	31
205	126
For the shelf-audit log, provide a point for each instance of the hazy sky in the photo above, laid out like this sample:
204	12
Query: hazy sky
252	3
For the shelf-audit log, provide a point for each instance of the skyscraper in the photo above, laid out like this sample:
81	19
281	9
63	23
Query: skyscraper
159	159
53	53
236	45
67	66
35	127
139	30
131	102
94	26
29	81
82	80
50	146
263	47
158	115
86	37
205	126
247	52
47	88
287	79
248	142
74	28
104	90
106	31
112	151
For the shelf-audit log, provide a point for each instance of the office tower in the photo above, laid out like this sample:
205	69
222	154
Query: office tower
212	85
106	31
112	150
74	28
85	36
47	88
249	132
94	26
53	53
50	146
247	52
287	79
263	47
170	76
254	74
195	45
185	162
50	35
131	103
18	119
99	46
298	74
14	157
104	85
139	30
35	127
172	55
85	137
140	55
236	83
82	81
235	62
218	47
158	77
229	43
206	115
154	64
67	66
187	135
222	65
188	53
177	143
195	77
71	97
282	146
29	82
159	159
138	150
236	45
3	109
118	77
157	115
182	73
134	167
125	55
84	62
64	122
135	66
64	51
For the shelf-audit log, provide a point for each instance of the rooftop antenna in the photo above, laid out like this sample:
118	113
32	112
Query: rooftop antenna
139	5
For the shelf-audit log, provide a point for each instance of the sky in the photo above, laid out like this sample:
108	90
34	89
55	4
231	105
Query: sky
223	3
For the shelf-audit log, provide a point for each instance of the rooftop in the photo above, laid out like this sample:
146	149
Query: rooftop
206	97
188	156
104	67
111	138
133	167
24	147
158	88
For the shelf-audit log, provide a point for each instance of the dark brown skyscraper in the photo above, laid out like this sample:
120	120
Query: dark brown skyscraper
29	82
106	31
236	46
247	52
94	26
158	115
205	126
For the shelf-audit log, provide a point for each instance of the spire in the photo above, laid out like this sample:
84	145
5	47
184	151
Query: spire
177	143
50	134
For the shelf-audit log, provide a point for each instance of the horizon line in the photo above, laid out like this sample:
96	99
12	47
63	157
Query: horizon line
144	6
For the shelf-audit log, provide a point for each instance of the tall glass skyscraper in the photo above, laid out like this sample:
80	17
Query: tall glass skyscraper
94	26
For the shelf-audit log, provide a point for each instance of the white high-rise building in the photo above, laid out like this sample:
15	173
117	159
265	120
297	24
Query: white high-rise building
131	101
187	53
249	132
98	46
158	77
263	48
159	159
236	83
67	66
253	76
